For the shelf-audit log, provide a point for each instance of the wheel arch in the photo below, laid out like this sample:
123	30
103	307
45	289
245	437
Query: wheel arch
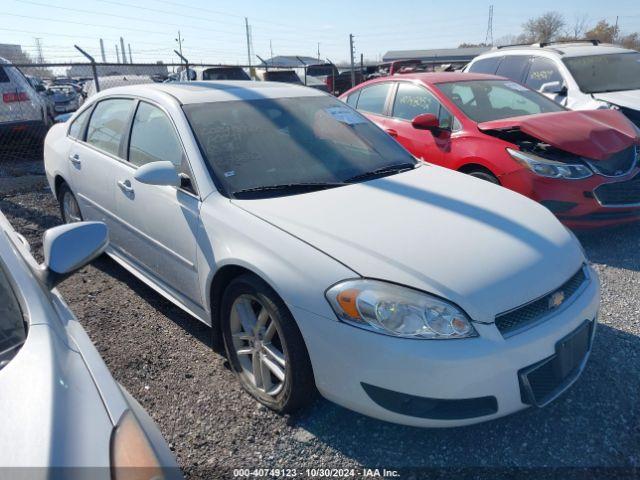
474	166
57	182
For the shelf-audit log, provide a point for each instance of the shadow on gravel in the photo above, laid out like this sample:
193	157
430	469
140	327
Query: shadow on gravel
193	327
595	423
617	247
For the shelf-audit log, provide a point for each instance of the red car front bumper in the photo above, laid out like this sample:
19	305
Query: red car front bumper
592	202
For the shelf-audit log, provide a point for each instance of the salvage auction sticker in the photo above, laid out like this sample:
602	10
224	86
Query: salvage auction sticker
315	473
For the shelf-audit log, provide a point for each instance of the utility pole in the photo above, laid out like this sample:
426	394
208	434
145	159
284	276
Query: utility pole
104	57
123	52
271	49
488	38
39	50
179	40
353	67
615	31
318	52
129	46
117	54
246	26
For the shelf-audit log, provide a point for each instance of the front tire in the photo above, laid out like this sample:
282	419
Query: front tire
69	208
264	346
483	175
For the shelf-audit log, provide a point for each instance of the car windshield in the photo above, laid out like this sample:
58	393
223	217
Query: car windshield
291	141
13	331
606	73
486	100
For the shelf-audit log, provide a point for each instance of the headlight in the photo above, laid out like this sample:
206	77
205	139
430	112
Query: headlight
132	456
549	168
399	311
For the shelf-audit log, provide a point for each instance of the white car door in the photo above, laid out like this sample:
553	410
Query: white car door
159	224
94	156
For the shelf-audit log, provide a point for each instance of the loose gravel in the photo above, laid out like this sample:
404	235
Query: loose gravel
161	355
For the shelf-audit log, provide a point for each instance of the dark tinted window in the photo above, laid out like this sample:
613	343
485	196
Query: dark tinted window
513	67
372	99
225	74
153	138
77	127
13	331
485	65
108	123
413	100
322	70
4	78
286	76
543	70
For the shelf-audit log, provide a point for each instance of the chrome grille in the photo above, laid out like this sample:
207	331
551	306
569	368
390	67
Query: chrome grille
530	313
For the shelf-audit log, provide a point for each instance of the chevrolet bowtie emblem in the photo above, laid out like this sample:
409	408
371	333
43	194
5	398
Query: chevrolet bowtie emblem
556	299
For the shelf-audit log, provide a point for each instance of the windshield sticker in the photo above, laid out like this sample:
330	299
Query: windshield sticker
516	86
345	115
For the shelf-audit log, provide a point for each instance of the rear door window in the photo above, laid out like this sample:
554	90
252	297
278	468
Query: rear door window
513	67
485	65
108	124
374	98
543	70
353	99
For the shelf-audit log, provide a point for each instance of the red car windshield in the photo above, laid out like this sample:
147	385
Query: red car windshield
486	100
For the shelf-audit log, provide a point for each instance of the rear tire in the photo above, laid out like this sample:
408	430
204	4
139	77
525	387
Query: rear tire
484	175
69	208
264	346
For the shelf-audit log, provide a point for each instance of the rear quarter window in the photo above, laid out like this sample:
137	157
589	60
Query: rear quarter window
374	98
485	65
4	78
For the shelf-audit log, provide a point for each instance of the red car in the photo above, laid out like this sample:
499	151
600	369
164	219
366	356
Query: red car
584	166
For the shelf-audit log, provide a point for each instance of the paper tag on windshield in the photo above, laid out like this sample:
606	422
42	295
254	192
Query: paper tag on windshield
516	86
345	115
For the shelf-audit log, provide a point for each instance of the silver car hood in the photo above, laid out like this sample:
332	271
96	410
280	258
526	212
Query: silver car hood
626	98
481	246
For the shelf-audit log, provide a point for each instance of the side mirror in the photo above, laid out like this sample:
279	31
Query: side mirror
426	121
158	173
70	247
556	88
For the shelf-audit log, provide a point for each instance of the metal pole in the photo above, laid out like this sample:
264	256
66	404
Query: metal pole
117	54
130	59
123	51
93	67
104	57
186	64
180	44
246	26
353	67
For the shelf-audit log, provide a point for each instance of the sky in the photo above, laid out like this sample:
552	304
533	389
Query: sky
214	31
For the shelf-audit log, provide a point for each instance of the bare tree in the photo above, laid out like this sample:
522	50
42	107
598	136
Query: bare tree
579	26
544	28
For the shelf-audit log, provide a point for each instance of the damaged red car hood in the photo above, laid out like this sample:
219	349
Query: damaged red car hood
595	134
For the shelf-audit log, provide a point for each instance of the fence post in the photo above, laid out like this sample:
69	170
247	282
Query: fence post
186	64
93	67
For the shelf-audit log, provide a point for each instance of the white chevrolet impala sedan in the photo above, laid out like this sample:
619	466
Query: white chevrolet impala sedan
324	256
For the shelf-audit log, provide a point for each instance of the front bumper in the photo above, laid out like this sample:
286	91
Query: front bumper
347	361
574	202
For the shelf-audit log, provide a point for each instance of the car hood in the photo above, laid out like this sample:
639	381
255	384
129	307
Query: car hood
595	134
481	246
626	98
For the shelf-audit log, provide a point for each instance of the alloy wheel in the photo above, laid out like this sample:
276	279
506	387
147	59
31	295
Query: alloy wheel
70	208
259	345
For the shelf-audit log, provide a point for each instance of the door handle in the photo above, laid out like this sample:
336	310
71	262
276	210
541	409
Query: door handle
75	159
125	186
392	132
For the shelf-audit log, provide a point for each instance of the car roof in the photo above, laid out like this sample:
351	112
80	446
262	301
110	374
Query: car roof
566	50
430	78
217	90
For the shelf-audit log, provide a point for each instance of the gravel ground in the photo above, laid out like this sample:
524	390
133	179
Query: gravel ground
161	356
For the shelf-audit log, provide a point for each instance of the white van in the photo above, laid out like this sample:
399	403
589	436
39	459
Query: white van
22	110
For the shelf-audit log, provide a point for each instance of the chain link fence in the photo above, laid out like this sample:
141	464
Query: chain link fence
35	96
